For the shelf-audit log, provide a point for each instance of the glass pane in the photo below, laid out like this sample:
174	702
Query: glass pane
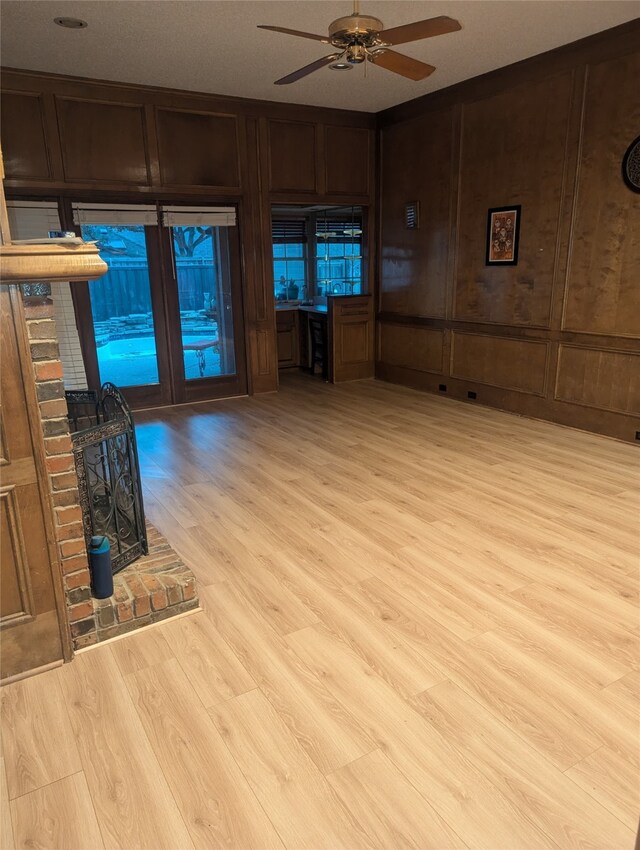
289	272
339	268
121	306
204	293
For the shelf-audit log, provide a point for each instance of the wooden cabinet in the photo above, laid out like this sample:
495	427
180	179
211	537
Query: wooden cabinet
103	142
23	136
197	148
347	157
288	330
351	337
292	156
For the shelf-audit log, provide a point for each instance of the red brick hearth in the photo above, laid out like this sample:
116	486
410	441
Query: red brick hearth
156	586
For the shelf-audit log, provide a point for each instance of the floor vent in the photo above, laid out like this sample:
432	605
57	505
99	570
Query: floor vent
471	394
442	388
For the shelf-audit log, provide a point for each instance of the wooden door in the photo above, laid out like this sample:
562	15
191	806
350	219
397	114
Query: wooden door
31	632
200	369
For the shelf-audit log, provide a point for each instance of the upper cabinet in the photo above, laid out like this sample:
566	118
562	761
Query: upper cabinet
197	148
292	153
305	158
103	142
347	160
63	132
24	144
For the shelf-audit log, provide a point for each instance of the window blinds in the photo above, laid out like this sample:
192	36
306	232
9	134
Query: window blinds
32	219
147	214
199	216
115	214
288	230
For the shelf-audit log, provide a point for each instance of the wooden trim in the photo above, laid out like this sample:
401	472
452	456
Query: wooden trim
37	441
26	674
588	339
606	423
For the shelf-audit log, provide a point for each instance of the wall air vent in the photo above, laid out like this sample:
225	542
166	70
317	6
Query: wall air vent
412	215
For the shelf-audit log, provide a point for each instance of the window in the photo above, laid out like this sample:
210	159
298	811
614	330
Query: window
123	320
317	253
339	256
289	259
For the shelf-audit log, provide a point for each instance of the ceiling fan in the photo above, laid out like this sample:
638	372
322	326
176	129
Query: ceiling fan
362	38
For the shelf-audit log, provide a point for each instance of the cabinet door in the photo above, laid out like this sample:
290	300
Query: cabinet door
287	326
31	635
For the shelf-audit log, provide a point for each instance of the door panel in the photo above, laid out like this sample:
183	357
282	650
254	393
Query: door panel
129	350
165	323
31	635
205	309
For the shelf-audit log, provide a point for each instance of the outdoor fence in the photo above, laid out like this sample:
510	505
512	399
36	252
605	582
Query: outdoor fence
124	290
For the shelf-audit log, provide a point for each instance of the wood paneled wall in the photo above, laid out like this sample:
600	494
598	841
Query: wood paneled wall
558	335
67	137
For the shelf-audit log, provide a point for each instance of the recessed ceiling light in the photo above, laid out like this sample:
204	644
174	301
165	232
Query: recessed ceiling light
71	23
341	66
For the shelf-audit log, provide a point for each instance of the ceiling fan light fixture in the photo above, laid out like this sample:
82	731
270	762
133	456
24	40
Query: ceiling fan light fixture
361	38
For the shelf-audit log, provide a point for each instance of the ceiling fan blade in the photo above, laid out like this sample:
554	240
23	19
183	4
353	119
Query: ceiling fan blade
322	38
420	29
401	64
308	69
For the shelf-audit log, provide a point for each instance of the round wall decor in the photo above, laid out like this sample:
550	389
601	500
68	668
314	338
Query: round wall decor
631	165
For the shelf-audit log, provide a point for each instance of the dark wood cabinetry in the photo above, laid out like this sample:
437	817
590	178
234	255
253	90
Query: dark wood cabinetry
198	149
288	330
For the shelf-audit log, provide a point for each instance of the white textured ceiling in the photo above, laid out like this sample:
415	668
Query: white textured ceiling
211	46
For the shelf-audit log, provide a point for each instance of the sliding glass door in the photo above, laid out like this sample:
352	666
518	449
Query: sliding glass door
166	320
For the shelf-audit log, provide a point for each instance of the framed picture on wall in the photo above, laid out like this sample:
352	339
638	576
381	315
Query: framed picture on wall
503	235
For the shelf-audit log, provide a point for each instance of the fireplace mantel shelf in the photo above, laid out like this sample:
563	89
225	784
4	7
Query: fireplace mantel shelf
50	263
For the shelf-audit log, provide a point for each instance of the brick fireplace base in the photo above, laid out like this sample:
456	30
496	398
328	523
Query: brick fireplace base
156	586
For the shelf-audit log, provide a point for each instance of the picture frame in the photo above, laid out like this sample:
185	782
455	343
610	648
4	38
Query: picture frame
503	235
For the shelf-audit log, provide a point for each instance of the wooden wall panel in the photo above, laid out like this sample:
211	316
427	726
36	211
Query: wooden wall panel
16	600
24	146
197	148
513	150
421	349
603	288
608	380
416	167
347	154
102	142
513	364
555	336
292	156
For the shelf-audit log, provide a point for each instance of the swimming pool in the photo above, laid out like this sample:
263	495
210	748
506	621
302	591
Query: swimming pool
132	361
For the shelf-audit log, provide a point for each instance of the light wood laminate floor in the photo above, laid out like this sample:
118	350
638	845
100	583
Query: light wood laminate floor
420	630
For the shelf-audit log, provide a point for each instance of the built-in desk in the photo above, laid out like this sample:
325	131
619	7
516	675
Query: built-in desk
350	335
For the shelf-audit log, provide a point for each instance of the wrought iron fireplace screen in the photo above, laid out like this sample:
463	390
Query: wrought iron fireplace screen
106	462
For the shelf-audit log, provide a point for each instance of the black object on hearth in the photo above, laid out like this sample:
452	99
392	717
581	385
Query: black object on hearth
106	462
